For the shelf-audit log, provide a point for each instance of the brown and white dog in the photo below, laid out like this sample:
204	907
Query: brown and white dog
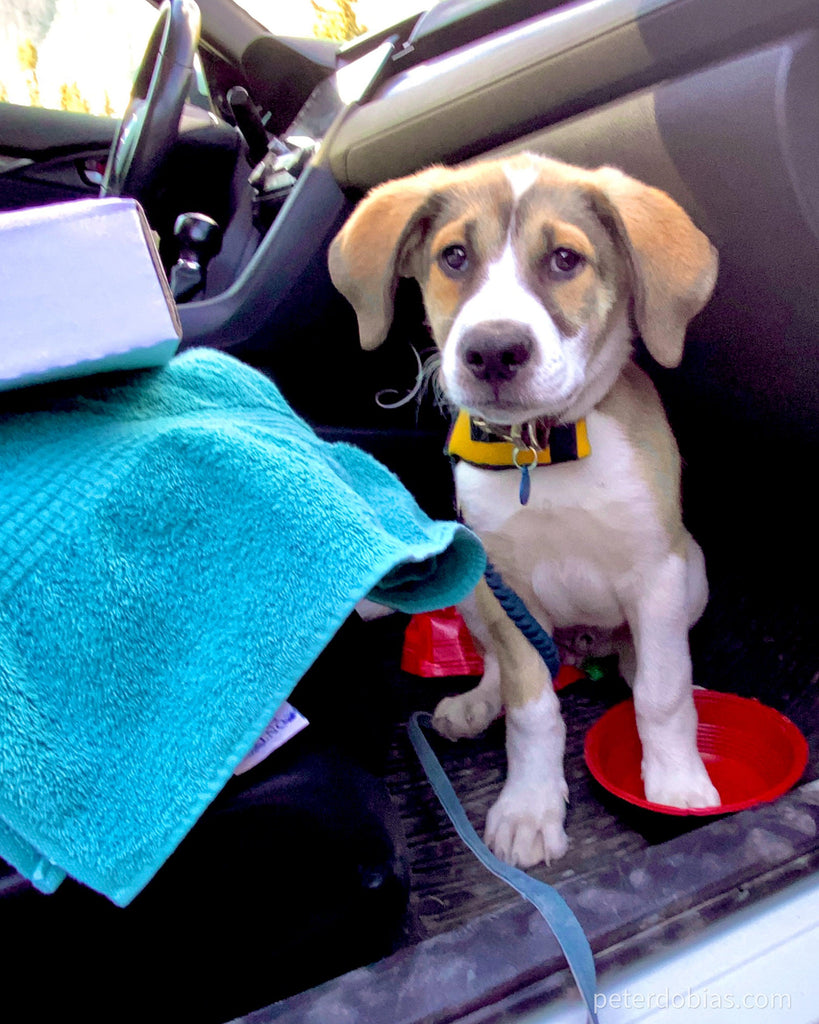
536	277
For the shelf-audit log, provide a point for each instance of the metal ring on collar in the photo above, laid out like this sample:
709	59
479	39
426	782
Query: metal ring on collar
525	465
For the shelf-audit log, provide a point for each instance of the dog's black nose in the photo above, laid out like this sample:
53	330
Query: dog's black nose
495	350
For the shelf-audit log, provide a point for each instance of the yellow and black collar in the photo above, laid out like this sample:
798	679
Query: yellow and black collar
521	446
493	447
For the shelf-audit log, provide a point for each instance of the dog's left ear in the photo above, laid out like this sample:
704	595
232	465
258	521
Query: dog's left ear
674	264
373	249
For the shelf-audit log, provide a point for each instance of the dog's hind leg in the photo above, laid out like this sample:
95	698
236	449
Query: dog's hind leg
525	825
468	714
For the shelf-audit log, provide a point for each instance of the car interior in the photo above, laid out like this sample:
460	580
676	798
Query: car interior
247	165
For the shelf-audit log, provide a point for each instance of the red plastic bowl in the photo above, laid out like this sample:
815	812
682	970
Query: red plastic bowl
752	753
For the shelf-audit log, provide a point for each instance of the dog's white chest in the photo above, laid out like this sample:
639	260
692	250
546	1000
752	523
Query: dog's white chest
578	542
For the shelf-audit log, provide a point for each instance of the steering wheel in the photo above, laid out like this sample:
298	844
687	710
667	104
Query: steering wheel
150	125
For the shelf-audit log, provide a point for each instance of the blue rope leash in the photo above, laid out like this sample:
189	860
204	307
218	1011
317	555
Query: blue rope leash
549	903
545	898
523	619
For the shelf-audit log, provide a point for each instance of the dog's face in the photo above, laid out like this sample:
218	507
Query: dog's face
535	277
526	293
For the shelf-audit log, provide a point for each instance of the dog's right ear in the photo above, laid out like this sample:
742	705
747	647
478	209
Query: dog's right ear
375	246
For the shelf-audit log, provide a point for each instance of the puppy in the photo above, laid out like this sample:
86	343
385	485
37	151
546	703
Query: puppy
536	277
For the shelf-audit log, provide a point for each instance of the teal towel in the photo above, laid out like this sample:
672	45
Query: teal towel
175	551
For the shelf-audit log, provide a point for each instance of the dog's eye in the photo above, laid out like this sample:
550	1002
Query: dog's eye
565	261
453	259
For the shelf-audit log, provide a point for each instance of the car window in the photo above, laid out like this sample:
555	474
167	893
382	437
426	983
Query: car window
339	20
70	55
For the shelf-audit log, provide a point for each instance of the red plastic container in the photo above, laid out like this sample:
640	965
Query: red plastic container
439	644
752	753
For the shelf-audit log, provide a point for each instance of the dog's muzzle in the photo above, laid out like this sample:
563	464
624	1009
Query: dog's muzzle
495	351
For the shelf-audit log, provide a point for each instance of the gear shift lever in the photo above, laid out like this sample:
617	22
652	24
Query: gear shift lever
249	123
200	239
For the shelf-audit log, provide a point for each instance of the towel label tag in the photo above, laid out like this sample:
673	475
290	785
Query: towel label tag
283	726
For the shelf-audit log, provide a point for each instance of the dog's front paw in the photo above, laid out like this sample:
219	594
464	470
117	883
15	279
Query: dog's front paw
683	787
525	825
465	716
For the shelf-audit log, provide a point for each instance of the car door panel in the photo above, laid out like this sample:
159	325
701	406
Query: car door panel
45	155
541	72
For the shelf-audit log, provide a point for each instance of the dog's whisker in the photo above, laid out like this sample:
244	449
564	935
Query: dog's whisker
426	379
432	381
381	396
